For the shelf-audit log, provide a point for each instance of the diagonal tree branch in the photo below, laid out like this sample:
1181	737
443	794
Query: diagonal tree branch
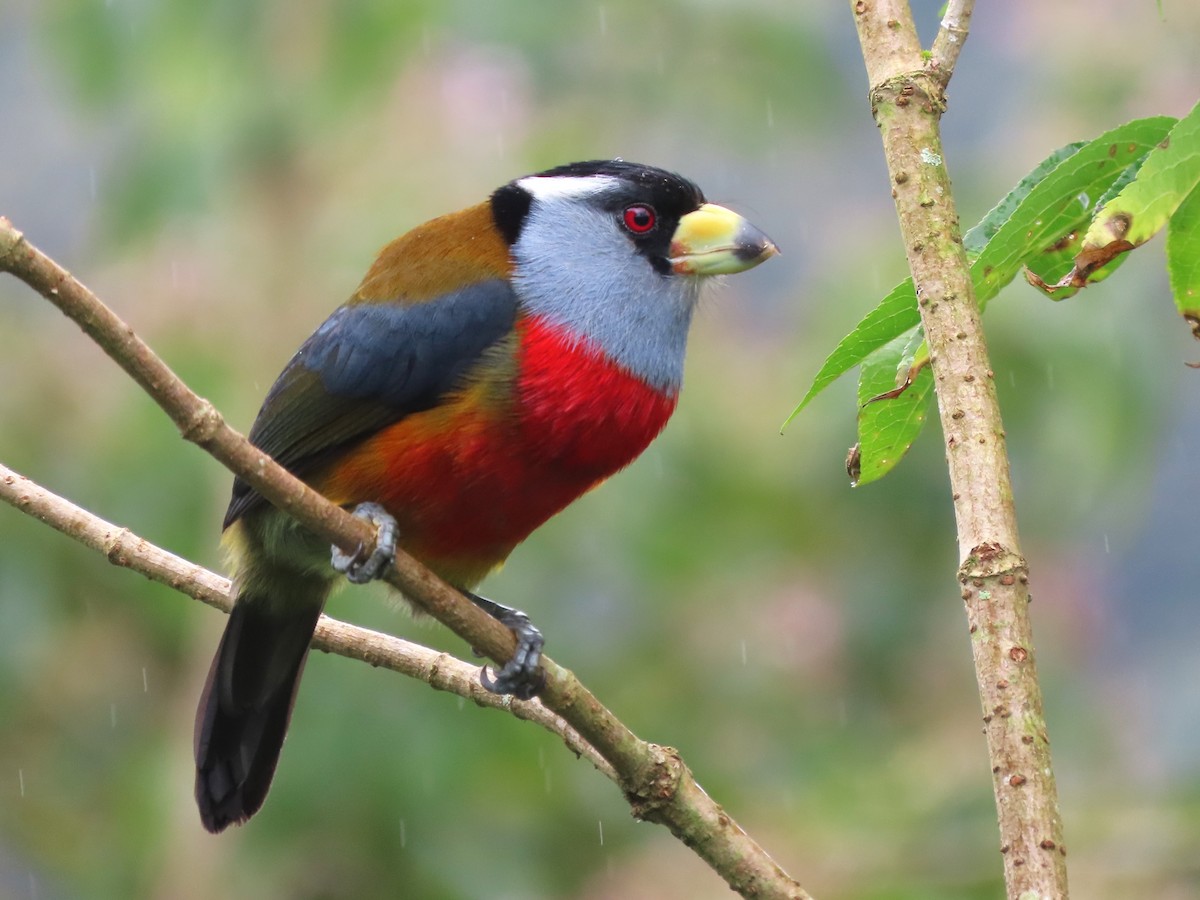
657	784
124	548
907	101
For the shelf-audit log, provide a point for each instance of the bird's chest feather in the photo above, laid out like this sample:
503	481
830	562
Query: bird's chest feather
577	414
473	477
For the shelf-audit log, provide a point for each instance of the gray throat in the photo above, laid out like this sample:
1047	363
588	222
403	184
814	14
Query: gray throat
610	295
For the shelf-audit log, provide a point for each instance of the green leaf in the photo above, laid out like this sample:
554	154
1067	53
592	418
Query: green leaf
887	428
999	239
1055	262
977	238
1183	255
1052	267
895	314
1169	175
1036	223
916	353
1062	203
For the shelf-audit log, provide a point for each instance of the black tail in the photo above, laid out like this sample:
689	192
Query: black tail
247	703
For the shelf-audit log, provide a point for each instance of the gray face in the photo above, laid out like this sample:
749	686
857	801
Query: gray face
577	266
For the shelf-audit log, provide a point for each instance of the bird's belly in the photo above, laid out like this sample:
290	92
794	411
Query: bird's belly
577	412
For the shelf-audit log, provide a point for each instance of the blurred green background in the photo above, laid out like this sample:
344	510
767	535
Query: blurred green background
222	173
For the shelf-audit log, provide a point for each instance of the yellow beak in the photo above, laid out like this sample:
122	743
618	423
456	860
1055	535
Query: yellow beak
714	240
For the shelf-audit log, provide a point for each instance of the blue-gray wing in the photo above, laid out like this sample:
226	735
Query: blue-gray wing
368	366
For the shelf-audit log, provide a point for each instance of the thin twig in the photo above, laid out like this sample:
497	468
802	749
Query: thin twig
659	787
907	101
952	34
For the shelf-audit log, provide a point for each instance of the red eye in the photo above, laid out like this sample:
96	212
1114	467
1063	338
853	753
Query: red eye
640	219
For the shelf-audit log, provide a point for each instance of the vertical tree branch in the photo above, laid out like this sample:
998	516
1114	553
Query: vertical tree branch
907	101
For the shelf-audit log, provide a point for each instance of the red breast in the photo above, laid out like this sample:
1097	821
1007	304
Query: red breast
546	420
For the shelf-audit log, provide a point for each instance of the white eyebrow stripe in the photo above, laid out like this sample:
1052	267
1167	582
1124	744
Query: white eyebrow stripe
567	186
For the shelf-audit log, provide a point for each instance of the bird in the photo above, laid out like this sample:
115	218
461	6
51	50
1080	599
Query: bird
493	365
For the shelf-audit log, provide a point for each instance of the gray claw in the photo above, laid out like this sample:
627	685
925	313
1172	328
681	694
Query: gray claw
521	676
352	565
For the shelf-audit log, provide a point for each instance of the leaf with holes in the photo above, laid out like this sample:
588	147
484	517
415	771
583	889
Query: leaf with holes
1062	203
995	240
1050	265
1168	177
1037	223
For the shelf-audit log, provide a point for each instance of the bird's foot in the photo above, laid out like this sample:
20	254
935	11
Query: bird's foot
353	565
521	676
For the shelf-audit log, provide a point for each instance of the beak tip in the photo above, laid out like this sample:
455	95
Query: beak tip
756	249
767	249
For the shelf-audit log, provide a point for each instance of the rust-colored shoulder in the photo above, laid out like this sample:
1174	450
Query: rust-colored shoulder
444	254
